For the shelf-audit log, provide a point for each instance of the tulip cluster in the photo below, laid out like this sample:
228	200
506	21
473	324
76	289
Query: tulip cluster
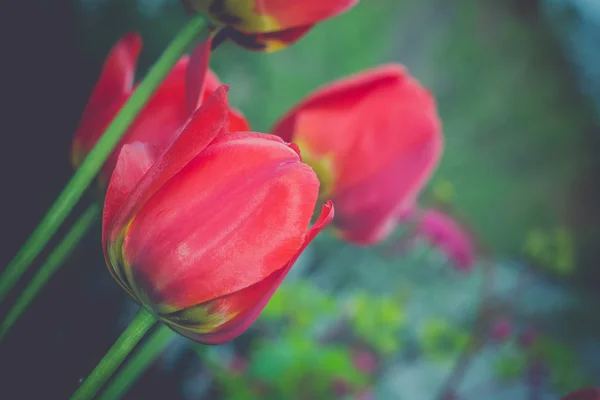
202	218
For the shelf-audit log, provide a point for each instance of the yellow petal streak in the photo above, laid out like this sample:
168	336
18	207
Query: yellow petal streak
322	165
250	21
198	319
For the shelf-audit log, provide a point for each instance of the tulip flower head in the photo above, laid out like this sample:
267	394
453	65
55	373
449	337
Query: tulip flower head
374	140
161	119
203	234
268	25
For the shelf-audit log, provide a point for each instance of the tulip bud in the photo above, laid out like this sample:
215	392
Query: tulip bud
204	233
268	25
162	117
374	140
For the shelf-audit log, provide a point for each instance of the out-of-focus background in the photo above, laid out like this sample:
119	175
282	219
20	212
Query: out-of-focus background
518	88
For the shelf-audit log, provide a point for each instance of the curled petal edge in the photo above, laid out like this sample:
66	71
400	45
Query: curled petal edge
239	324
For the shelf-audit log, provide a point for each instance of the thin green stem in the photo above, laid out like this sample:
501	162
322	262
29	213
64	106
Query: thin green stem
95	159
52	264
138	363
136	330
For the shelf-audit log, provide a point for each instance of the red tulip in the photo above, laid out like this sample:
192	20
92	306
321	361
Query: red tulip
584	394
449	237
164	114
203	234
374	140
268	25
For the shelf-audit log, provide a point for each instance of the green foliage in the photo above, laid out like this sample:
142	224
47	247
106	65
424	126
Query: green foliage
293	364
566	373
440	340
555	358
512	362
301	304
553	249
377	321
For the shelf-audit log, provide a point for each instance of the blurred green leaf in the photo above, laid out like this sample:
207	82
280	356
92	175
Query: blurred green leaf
441	340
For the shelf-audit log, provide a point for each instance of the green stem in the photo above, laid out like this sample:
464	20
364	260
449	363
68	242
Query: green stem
138	363
136	330
49	268
95	159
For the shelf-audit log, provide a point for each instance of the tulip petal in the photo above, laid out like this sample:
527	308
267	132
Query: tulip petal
237	121
375	139
118	72
368	211
364	121
240	309
197	74
344	92
112	90
134	161
200	130
202	82
161	119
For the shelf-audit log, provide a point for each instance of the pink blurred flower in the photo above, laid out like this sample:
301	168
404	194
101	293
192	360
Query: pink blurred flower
443	232
340	386
501	329
365	361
